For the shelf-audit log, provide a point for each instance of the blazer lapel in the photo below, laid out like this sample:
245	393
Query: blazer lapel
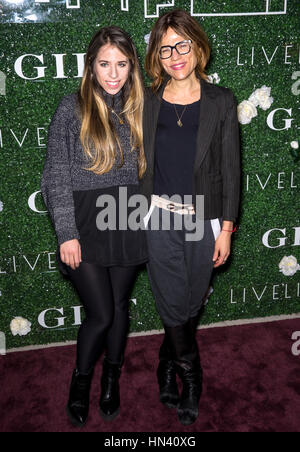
207	121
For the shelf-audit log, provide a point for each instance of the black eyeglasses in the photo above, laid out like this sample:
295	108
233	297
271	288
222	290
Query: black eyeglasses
182	48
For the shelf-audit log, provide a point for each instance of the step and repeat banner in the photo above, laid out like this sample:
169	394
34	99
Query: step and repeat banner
255	52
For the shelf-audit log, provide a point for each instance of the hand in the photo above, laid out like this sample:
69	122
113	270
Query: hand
222	249
70	253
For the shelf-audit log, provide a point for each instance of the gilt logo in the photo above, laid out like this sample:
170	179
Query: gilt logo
39	67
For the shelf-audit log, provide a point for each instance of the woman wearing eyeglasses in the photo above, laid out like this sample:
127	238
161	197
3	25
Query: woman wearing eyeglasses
191	139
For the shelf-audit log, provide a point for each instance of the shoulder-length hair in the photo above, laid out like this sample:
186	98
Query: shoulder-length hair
186	26
98	136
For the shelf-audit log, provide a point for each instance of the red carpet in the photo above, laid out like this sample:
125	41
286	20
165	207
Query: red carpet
252	384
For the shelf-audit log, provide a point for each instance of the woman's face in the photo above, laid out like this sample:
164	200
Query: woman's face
179	67
111	68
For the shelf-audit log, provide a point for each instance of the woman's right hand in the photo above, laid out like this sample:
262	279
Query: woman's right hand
70	253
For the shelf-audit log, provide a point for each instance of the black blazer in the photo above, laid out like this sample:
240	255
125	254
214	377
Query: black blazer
217	167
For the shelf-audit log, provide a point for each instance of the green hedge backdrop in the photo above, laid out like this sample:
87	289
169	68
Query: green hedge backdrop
254	43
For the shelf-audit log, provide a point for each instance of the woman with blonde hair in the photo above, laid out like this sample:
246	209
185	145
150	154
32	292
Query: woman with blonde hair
191	141
95	150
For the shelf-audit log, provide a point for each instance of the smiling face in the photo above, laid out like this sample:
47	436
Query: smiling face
111	68
179	67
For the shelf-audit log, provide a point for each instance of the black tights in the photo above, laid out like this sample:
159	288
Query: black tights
104	293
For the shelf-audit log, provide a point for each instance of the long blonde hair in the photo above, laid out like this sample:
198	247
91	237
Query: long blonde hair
98	137
184	24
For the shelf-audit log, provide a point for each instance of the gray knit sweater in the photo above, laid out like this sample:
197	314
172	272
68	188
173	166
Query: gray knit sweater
63	170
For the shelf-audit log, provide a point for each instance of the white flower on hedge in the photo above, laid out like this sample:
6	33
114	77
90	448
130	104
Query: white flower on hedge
262	98
214	78
1	206
20	326
147	39
295	144
289	265
246	112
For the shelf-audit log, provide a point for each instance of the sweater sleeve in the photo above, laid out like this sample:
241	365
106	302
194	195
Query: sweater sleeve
56	183
231	161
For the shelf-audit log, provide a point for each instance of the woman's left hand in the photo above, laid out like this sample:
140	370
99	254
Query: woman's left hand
222	249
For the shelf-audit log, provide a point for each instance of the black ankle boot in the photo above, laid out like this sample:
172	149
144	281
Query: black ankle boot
79	398
166	376
110	391
188	367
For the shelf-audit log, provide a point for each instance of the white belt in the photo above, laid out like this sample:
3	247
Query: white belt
162	203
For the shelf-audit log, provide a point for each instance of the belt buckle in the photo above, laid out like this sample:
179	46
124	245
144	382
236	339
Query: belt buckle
171	207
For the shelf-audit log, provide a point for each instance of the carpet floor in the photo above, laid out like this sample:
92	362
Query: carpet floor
251	384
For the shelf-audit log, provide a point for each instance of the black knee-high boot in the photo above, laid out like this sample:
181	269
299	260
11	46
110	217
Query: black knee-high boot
110	390
166	376
79	398
188	367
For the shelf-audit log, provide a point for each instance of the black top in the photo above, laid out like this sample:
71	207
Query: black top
175	149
